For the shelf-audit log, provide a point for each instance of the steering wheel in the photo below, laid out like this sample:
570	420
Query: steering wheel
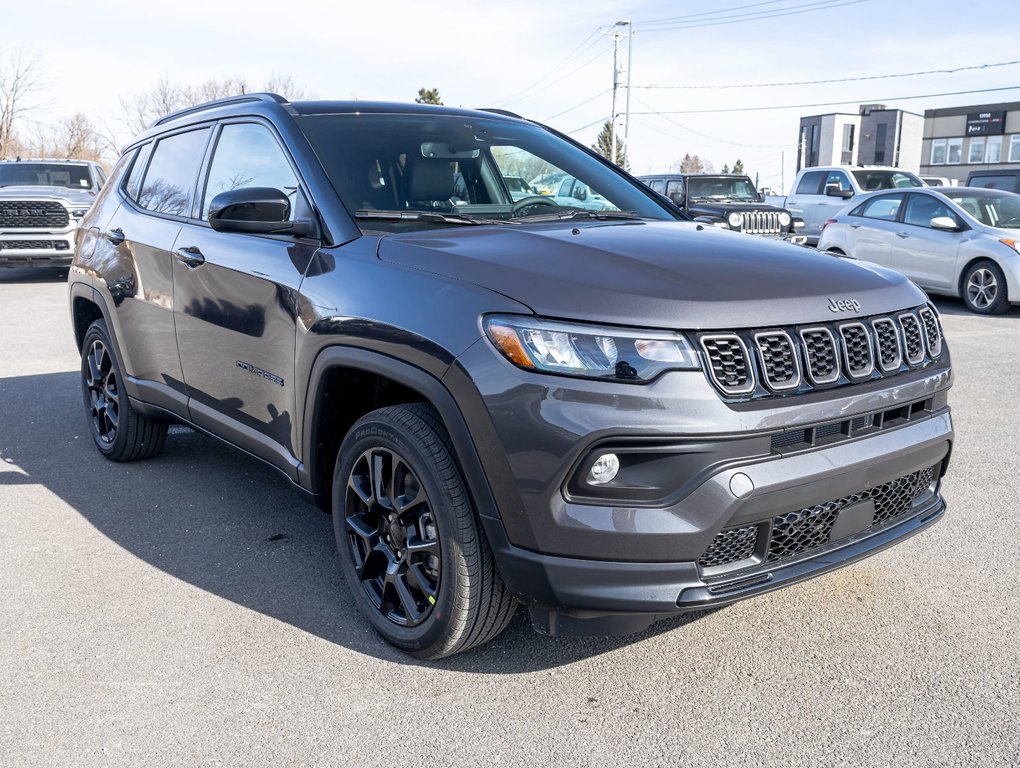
1013	222
532	201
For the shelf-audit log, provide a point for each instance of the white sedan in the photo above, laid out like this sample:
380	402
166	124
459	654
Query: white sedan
956	241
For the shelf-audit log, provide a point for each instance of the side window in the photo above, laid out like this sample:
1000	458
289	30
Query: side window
838	177
674	187
810	183
921	209
170	177
657	186
247	155
565	187
885	207
134	181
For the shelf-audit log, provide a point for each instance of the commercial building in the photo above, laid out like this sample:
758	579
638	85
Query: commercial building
961	140
874	135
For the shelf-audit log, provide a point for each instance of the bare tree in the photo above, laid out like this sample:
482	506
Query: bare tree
20	79
286	87
73	137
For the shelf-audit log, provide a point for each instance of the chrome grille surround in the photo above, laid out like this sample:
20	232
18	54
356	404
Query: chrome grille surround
821	358
857	352
760	222
778	358
730	373
932	333
913	341
889	351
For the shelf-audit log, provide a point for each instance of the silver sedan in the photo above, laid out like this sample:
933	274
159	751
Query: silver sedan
956	241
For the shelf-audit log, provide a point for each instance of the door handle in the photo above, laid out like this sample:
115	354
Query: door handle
902	234
190	257
115	236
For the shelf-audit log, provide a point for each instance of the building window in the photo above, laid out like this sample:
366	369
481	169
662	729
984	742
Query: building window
993	154
847	157
880	135
976	153
954	151
1014	149
938	152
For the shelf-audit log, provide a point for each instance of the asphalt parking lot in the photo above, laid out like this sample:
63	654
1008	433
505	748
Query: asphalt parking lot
190	610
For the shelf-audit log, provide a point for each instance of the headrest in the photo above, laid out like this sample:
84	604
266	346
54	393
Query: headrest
430	180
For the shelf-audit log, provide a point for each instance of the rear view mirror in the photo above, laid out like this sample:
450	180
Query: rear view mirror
254	210
834	190
440	150
944	222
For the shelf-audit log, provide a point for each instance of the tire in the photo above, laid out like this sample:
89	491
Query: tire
983	289
118	430
420	569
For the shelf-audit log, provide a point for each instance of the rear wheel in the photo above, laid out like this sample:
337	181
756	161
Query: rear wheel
984	289
413	554
118	430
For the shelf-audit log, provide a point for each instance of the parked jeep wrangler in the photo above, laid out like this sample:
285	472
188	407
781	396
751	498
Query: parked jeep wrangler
609	416
41	204
729	201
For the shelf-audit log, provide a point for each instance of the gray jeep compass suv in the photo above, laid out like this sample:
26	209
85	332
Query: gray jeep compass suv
610	416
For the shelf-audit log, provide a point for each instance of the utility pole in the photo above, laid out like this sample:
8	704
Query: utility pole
616	83
630	51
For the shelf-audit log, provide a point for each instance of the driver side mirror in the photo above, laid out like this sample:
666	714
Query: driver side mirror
834	190
255	210
677	198
580	193
947	223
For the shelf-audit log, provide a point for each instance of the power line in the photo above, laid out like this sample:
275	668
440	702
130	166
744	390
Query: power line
580	49
587	125
833	80
704	135
709	13
561	76
794	10
828	103
578	106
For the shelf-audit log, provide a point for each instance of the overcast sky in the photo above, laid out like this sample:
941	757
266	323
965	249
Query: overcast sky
513	55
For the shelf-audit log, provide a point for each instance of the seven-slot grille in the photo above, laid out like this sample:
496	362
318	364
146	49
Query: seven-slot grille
802	530
797	360
32	214
760	222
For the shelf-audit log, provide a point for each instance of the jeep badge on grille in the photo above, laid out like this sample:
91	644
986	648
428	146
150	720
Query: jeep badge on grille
844	305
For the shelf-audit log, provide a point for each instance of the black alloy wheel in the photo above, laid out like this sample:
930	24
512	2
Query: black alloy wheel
103	388
393	538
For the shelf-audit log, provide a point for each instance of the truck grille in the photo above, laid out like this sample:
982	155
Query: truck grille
28	245
32	214
760	222
800	531
827	354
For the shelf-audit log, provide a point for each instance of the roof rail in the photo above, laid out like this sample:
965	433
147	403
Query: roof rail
272	98
504	112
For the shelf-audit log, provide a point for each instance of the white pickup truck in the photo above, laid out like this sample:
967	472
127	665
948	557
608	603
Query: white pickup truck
820	193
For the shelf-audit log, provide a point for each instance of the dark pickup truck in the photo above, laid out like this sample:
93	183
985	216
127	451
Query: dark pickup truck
728	201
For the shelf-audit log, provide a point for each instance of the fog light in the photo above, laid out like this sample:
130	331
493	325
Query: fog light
604	469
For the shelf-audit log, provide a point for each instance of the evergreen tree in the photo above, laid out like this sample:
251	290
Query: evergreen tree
691	164
604	146
725	169
738	167
428	96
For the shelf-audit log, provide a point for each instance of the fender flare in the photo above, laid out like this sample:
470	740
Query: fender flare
412	377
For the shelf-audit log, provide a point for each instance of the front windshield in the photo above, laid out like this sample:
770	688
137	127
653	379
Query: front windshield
720	188
872	180
996	209
44	175
461	167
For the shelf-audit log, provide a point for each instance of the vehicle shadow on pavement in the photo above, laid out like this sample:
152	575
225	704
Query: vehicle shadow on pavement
225	523
947	305
34	275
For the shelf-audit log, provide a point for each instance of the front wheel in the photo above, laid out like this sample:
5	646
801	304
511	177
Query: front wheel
984	289
412	551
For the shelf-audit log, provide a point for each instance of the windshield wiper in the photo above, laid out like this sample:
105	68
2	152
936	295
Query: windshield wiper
580	214
432	217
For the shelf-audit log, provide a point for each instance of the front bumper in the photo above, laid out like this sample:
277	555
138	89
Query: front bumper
37	249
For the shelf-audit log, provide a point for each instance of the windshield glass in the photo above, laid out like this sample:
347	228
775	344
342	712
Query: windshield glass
996	209
44	175
463	165
720	188
872	180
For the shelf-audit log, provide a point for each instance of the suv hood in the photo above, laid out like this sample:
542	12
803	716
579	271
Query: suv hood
723	207
652	274
63	194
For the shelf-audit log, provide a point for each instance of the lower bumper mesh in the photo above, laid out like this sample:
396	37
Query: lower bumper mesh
794	533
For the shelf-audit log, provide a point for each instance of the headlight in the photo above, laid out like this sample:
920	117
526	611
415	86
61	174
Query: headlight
79	213
784	219
590	351
735	220
1014	244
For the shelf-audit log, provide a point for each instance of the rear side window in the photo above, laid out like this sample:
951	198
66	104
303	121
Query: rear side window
1008	183
170	178
247	155
134	182
885	208
810	183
